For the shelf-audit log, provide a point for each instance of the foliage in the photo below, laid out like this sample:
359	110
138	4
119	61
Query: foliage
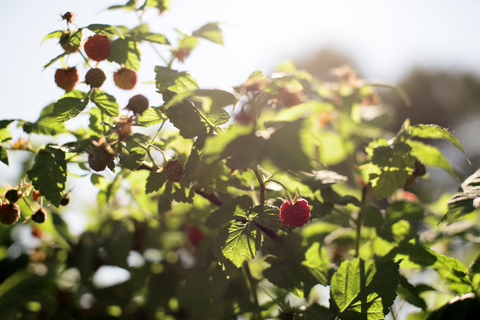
211	244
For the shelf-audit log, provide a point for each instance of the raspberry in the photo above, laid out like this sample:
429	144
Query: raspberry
68	16
95	77
65	43
36	195
65	201
138	104
100	156
98	47
244	117
174	170
66	78
125	78
12	196
39	216
9	214
194	235
295	212
181	54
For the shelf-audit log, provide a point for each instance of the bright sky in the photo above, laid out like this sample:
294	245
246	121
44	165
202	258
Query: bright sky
384	38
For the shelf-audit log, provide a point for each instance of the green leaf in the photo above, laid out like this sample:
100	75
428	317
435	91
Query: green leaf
49	173
317	263
188	119
404	210
237	243
75	39
168	79
105	102
151	116
126	52
431	156
46	124
363	289
218	98
234	208
461	307
269	217
411	293
285	150
104	29
330	196
317	180
435	132
52	35
5	134
151	37
402	93
3	155
68	108
211	32
133	159
61	55
154	182
390	167
161	5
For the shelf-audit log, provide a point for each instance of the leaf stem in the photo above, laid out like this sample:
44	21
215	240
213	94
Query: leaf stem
359	221
253	287
261	185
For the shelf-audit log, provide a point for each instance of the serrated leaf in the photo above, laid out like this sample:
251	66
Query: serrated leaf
68	108
211	32
3	155
317	263
431	156
168	79
126	52
46	124
435	132
404	210
133	159
390	167
463	307
105	102
61	55
155	181
151	37
187	118
219	98
151	116
363	289
285	150
75	38
269	217
104	29
237	243
317	180
330	196
53	35
5	134
234	208
49	174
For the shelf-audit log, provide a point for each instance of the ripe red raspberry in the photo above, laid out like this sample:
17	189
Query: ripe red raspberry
138	104
39	216
194	235
100	156
9	214
125	78
98	47
66	78
295	212
174	170
95	77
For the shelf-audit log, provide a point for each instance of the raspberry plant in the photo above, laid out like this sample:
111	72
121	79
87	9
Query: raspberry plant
208	235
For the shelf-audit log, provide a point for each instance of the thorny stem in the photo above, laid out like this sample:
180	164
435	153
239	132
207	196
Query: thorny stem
86	60
253	287
359	221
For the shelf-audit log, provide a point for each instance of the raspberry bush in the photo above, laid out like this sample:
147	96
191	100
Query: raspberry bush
209	234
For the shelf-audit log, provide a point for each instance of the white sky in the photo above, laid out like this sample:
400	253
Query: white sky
384	38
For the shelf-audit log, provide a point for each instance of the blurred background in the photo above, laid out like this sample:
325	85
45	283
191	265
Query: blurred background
428	48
